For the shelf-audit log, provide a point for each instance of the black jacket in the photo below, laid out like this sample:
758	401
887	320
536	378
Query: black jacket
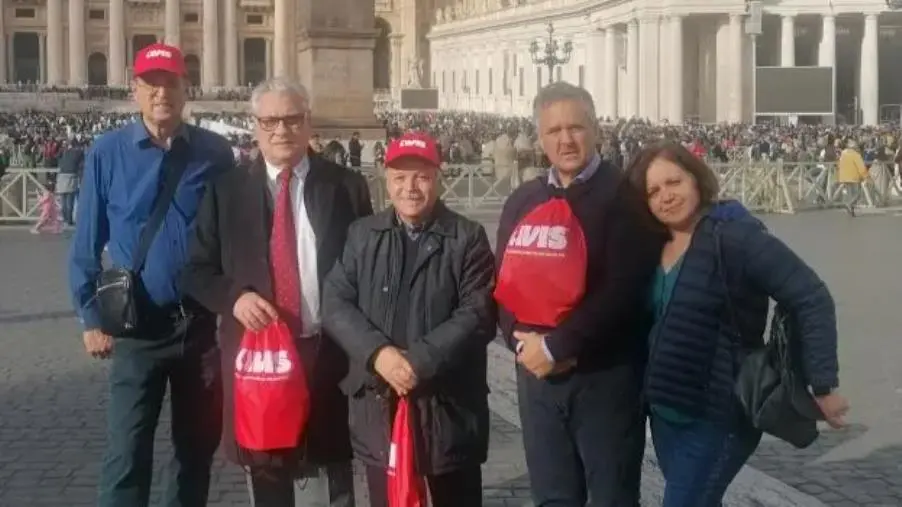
229	254
605	328
449	324
697	346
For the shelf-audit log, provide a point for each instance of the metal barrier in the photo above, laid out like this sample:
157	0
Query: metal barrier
762	187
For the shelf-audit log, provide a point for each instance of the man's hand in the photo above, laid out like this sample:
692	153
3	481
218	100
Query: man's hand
97	344
254	312
834	408
392	366
531	354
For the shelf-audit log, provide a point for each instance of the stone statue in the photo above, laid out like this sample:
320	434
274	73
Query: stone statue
415	73
449	13
459	11
439	16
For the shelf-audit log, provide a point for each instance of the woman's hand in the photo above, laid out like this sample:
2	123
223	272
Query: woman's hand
834	407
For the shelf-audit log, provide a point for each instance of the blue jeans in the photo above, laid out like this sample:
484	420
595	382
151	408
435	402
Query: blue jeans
700	459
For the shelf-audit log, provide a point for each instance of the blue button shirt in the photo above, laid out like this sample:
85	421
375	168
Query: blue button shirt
123	173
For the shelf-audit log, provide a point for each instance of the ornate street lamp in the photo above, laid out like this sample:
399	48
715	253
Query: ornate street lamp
553	54
894	4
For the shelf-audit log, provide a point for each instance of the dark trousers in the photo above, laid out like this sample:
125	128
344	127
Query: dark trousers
313	486
462	487
700	459
584	435
188	361
67	205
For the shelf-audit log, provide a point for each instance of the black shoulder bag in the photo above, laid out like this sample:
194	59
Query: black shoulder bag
116	294
771	392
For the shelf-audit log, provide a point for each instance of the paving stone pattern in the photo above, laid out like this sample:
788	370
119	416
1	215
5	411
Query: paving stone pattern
53	397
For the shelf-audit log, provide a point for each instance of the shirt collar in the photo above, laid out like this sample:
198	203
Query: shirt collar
140	133
300	171
587	172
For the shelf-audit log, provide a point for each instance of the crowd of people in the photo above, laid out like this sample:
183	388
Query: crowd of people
467	137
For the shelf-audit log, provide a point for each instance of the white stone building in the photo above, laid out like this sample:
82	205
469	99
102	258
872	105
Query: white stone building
669	60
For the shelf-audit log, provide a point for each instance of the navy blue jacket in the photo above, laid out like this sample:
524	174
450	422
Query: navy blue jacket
696	348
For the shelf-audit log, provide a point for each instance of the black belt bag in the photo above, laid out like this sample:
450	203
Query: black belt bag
116	296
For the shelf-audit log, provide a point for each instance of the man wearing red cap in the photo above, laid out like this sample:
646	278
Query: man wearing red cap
410	302
142	187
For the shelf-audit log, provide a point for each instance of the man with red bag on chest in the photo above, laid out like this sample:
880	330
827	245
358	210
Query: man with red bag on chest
410	302
574	265
266	236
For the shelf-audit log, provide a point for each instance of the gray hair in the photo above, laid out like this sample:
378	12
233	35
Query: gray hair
278	85
562	91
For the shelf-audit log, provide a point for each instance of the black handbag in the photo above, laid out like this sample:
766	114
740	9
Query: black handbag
770	389
116	295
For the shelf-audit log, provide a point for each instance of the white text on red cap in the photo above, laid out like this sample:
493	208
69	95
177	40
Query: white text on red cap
417	143
159	53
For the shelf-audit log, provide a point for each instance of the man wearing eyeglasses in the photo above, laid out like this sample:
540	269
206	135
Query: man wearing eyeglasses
265	239
127	173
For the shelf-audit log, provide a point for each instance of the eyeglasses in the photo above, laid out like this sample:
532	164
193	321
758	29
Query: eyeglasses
292	122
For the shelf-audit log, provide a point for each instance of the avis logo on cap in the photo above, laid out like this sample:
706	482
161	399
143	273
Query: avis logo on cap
413	145
160	57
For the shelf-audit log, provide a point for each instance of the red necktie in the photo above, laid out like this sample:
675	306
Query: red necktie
283	257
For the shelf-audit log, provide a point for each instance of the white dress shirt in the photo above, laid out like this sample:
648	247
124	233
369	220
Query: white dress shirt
310	317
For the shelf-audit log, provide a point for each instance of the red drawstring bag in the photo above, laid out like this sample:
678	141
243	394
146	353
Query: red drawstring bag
543	271
405	487
272	402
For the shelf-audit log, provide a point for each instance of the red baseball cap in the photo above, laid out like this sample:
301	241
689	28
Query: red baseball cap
414	145
160	57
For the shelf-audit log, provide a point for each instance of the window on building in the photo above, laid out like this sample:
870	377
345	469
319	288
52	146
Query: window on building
453	81
24	13
491	84
559	74
444	83
463	83
433	79
522	83
255	19
477	81
538	78
192	17
96	14
582	76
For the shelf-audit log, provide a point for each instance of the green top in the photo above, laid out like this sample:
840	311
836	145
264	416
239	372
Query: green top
661	291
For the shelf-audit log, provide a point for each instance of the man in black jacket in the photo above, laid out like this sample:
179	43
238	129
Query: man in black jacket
410	303
232	270
579	382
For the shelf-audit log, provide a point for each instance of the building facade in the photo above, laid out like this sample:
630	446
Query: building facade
227	43
666	60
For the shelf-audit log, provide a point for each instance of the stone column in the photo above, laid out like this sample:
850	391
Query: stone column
594	68
632	67
737	51
55	51
788	42
611	67
210	62
116	56
648	68
4	61
78	67
173	24
230	70
283	35
826	55
677	113
870	74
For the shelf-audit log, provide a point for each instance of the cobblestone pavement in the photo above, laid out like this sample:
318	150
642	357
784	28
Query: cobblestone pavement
52	397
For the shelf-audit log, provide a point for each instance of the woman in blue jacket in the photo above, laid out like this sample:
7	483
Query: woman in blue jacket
700	437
